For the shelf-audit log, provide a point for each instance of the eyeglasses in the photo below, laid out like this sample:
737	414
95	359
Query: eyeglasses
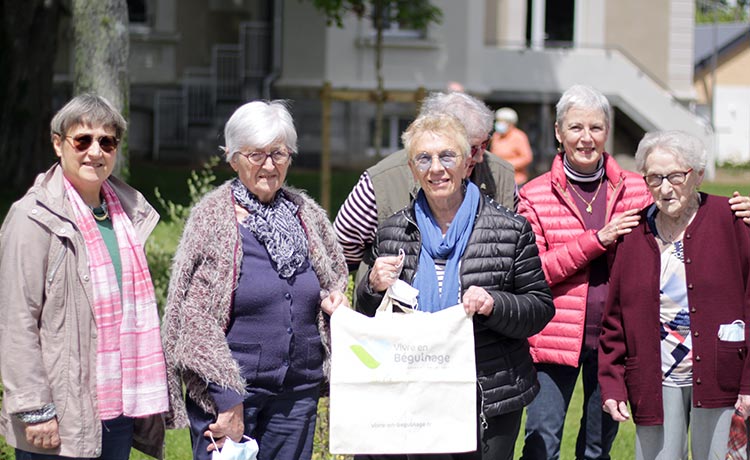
675	178
279	157
479	148
82	142
447	158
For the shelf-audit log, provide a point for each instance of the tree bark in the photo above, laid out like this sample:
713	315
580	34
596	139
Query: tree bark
102	47
28	44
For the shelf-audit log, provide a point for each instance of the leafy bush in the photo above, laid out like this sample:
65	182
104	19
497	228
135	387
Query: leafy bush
735	165
160	248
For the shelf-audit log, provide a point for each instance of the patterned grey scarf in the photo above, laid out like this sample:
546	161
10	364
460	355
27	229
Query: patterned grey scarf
276	226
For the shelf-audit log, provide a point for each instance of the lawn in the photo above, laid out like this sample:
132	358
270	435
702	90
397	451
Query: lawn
171	181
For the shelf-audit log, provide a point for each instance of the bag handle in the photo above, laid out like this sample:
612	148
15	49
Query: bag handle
399	296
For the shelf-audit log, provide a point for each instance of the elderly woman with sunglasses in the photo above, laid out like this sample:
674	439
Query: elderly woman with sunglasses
256	276
461	246
674	341
80	352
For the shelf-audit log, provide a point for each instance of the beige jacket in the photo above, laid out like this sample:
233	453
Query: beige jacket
47	326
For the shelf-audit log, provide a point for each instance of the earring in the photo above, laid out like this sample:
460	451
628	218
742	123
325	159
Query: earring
560	148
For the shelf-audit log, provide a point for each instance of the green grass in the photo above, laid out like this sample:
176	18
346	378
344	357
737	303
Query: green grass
725	189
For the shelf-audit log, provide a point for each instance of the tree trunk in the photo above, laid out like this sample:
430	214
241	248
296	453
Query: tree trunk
102	46
28	44
378	6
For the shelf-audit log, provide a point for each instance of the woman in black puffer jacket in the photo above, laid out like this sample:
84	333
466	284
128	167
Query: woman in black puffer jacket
460	246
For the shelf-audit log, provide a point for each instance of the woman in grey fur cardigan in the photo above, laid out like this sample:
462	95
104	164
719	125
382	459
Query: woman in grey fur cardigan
256	276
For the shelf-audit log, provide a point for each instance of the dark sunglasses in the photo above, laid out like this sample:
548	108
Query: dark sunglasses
82	142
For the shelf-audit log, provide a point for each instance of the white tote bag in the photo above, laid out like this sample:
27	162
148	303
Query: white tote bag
402	383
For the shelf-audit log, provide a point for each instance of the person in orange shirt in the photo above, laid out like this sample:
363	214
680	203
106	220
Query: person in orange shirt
511	144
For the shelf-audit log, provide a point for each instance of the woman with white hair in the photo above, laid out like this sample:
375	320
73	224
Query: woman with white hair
674	341
256	276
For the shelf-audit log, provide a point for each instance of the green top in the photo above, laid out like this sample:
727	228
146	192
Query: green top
110	239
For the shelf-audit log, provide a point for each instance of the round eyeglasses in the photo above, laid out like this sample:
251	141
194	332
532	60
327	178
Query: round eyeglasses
447	158
675	178
278	157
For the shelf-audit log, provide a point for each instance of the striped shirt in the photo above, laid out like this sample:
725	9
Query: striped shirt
357	221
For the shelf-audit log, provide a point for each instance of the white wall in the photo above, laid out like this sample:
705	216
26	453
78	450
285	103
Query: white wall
732	112
680	65
590	20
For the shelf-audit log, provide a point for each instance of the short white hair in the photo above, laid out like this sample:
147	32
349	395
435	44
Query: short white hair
583	97
684	146
259	124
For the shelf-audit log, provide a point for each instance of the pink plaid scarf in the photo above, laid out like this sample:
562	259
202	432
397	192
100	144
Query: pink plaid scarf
130	368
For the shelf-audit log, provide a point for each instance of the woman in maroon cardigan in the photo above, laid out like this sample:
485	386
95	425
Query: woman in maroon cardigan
671	343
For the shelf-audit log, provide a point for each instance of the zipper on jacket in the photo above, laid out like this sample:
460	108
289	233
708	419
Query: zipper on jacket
482	416
58	262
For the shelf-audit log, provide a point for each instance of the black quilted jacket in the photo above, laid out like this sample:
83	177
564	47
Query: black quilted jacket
502	258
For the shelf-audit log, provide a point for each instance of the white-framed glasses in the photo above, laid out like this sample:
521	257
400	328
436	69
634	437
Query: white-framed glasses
447	158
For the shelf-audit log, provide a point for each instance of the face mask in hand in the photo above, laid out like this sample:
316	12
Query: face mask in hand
247	450
501	127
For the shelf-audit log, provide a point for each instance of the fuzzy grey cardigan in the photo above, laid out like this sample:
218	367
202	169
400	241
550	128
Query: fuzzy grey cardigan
205	272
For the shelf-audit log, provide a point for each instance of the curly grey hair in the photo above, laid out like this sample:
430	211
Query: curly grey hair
684	146
472	113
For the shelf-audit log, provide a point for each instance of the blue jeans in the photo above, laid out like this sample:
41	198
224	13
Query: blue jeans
545	416
283	424
117	439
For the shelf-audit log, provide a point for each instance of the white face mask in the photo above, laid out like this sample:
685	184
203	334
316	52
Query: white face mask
247	450
501	127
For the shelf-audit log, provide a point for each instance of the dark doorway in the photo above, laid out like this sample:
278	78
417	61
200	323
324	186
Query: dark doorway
559	19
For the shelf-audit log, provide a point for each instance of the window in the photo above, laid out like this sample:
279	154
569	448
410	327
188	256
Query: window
395	27
393	126
559	18
137	12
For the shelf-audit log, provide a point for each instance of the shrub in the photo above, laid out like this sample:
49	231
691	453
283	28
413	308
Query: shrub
160	248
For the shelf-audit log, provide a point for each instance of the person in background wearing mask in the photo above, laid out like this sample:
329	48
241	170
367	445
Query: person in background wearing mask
512	144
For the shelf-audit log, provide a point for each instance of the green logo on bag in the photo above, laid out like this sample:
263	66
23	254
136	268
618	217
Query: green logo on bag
366	358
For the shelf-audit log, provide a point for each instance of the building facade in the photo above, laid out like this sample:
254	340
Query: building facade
194	61
722	85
